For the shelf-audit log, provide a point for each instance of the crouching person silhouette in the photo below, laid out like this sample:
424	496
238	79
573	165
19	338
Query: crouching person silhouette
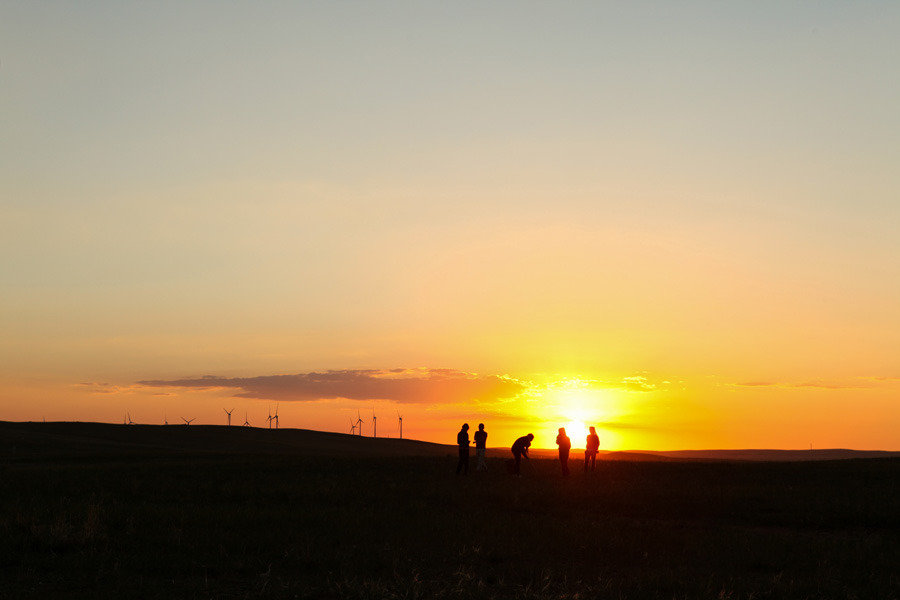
520	449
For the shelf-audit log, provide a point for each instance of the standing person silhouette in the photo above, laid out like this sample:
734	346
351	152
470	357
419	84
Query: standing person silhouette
462	440
480	447
591	448
565	444
520	449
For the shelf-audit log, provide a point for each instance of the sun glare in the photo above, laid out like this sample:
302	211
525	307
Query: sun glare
576	430
575	404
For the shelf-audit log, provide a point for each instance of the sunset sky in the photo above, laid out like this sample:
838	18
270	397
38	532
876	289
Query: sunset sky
676	221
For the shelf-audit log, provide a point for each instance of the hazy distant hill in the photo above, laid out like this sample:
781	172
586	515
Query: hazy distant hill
23	441
746	455
768	455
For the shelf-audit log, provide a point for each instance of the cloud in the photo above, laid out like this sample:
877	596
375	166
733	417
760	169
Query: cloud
408	386
104	388
818	384
638	383
831	385
626	426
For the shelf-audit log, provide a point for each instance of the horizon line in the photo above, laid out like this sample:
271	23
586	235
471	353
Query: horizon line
606	451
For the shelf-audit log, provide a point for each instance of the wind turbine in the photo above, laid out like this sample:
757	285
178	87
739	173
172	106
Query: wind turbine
128	417
187	422
359	423
228	412
165	419
374	423
269	418
400	418
276	415
352	426
246	421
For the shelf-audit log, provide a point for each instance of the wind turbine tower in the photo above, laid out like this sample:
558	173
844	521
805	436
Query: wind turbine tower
228	412
352	426
359	423
400	418
276	416
374	424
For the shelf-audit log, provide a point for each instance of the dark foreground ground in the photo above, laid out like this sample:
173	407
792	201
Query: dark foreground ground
207	525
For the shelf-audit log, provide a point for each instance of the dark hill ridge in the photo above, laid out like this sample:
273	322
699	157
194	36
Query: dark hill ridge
67	439
29	440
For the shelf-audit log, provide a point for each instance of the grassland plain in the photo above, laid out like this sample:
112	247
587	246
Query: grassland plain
106	523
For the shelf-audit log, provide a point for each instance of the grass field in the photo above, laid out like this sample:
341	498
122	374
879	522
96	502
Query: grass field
268	523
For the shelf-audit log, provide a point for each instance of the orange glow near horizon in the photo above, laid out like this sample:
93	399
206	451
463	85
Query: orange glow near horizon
683	416
676	251
573	403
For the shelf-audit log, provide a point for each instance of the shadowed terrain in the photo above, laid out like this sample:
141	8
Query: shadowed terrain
29	440
112	511
65	439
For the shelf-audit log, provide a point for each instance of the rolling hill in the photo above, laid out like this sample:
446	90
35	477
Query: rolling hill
32	440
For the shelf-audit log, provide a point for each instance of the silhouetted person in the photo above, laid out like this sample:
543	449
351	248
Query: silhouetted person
565	444
480	447
520	449
462	440
591	448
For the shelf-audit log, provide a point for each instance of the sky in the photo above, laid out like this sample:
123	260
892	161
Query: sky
674	221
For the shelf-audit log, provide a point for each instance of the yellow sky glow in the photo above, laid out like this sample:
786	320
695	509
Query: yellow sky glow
677	223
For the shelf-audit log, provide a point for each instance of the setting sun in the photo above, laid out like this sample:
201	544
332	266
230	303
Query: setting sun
270	271
641	231
575	403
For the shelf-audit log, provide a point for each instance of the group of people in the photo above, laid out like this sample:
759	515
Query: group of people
591	447
462	440
520	449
